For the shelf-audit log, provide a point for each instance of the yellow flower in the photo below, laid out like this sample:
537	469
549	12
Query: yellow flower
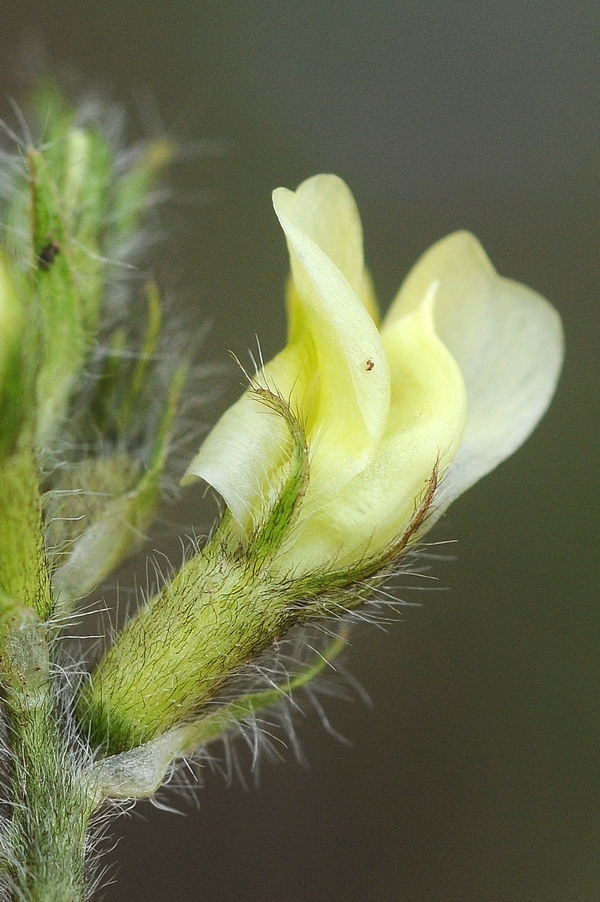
454	380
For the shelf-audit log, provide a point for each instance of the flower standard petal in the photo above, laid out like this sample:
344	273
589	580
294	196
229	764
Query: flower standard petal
333	372
324	209
348	404
507	340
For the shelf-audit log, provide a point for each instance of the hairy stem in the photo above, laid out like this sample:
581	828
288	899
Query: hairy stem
23	573
53	797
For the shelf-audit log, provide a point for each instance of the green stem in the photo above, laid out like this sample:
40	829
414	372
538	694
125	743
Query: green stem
23	572
53	797
51	814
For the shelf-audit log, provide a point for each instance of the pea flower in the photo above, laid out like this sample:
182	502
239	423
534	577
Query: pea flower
456	377
344	449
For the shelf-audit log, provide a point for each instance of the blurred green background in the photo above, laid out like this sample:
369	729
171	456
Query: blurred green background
474	776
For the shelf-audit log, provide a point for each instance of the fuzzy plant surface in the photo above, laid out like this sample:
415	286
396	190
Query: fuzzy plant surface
340	455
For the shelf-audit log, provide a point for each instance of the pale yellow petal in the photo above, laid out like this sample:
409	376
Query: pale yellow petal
349	396
423	431
369	298
324	209
240	459
333	372
507	340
